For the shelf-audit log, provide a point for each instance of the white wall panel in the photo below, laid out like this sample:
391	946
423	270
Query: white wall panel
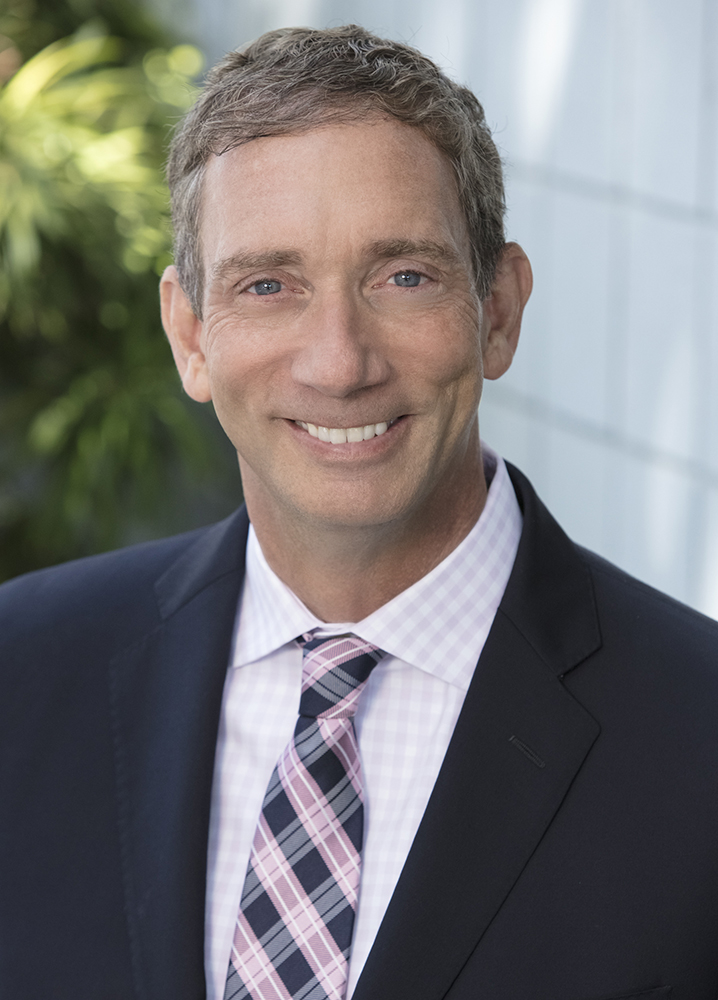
660	364
659	499
666	83
707	577
580	306
584	136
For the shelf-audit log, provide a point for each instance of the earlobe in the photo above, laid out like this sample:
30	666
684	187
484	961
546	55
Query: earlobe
184	332
503	310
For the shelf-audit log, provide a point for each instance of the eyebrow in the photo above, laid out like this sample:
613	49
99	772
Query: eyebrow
247	260
443	253
254	261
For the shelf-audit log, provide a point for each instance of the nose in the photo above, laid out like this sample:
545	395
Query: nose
342	350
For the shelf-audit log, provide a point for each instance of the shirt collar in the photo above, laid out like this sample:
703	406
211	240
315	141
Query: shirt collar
438	625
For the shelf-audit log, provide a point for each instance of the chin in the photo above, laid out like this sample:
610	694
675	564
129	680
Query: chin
351	513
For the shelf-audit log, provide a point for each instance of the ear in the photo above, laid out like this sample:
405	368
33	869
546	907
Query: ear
184	332
503	310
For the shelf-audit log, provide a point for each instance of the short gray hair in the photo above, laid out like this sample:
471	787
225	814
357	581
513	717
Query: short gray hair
297	79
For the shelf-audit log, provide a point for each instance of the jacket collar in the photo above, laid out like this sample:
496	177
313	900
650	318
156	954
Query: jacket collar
549	597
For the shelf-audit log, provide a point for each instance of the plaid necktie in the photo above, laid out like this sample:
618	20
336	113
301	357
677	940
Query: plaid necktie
294	930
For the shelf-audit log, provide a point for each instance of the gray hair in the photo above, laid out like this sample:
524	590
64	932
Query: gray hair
297	79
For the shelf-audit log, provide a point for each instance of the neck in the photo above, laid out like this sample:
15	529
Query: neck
343	574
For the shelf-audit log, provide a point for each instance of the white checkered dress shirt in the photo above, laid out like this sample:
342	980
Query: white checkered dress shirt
433	633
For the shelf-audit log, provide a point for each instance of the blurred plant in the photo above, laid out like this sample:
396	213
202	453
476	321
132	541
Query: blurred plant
34	24
94	430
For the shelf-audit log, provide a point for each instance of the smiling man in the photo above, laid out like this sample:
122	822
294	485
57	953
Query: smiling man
386	732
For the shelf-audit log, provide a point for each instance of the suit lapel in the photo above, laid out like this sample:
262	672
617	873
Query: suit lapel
518	744
166	696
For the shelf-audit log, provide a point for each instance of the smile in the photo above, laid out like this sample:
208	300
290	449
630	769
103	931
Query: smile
344	435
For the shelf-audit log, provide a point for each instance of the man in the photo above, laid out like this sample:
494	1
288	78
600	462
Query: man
502	780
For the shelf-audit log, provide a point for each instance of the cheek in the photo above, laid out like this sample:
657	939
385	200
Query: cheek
462	349
240	364
445	354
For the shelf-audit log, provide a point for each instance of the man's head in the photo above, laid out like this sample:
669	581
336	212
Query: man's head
298	79
355	286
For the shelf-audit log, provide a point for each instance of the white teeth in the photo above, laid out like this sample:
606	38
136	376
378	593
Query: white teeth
342	435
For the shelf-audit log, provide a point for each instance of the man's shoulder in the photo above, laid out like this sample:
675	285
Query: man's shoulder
99	576
634	608
587	587
114	592
609	635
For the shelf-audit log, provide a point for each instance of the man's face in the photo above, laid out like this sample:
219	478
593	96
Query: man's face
341	342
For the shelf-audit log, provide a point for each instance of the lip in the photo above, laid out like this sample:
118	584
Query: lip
351	450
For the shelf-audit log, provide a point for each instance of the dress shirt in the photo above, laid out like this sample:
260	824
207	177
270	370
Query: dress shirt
433	633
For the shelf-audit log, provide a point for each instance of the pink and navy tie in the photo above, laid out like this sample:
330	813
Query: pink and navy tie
293	934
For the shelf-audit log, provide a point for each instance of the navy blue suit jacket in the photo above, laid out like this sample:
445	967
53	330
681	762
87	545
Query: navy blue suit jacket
569	850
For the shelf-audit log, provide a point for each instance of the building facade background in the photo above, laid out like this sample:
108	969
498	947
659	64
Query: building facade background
606	113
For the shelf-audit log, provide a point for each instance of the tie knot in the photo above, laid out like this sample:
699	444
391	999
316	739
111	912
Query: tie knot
334	672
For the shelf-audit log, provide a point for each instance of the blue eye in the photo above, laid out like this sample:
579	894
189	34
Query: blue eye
267	287
407	279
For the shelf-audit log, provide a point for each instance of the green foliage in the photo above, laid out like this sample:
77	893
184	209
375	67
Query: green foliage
97	444
34	24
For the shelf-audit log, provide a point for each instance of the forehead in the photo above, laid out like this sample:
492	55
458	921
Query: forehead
331	190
